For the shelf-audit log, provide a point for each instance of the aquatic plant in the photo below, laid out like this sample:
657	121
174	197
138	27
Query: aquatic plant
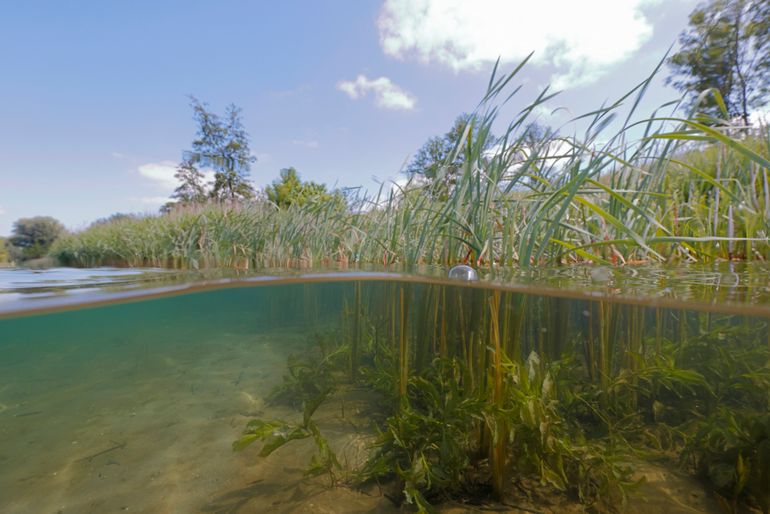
425	443
309	381
731	451
630	189
309	375
274	434
483	394
544	441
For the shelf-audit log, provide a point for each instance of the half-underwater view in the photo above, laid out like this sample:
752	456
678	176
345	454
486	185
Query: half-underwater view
386	256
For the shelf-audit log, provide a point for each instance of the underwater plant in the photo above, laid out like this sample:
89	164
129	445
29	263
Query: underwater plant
479	395
544	442
309	375
309	382
426	444
731	451
276	433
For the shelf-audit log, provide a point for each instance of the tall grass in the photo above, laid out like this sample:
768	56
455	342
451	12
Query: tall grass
659	188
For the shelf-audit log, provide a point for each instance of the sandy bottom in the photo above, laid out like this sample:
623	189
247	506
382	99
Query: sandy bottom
149	429
135	429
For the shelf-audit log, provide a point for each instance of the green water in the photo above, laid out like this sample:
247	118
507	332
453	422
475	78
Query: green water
169	381
134	406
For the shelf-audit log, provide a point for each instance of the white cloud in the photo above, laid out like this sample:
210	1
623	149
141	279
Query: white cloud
161	175
2	210
387	95
581	39
118	155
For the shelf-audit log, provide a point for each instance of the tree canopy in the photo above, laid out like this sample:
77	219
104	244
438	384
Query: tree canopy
726	47
192	188
112	218
536	133
33	237
289	189
222	144
4	257
440	159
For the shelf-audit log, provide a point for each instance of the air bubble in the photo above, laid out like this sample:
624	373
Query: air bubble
463	272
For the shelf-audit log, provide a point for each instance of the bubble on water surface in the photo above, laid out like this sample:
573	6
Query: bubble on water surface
463	272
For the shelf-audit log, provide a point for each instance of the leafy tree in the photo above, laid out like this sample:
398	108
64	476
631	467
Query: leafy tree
33	237
4	256
223	145
112	218
191	188
289	189
441	158
536	133
430	157
726	47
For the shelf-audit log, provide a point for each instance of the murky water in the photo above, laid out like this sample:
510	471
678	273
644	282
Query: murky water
116	406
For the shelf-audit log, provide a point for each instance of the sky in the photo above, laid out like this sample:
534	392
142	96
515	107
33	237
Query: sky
94	96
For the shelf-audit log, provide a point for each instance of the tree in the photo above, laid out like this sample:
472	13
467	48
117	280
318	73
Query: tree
535	134
222	145
290	190
191	188
113	218
4	257
726	47
33	237
441	158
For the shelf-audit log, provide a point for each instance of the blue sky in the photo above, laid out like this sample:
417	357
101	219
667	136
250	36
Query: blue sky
94	111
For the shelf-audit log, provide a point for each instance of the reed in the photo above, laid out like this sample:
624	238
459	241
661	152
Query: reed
658	188
500	397
498	454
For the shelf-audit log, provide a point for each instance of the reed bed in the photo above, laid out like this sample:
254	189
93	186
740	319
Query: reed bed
659	188
486	396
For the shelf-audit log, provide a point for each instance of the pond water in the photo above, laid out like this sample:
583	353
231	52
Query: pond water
539	391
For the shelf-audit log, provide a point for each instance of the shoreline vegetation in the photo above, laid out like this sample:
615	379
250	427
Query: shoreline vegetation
658	189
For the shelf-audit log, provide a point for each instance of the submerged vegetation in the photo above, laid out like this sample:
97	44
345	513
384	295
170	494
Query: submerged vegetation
661	188
481	395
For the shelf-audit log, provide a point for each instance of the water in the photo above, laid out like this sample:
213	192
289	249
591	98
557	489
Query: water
124	390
